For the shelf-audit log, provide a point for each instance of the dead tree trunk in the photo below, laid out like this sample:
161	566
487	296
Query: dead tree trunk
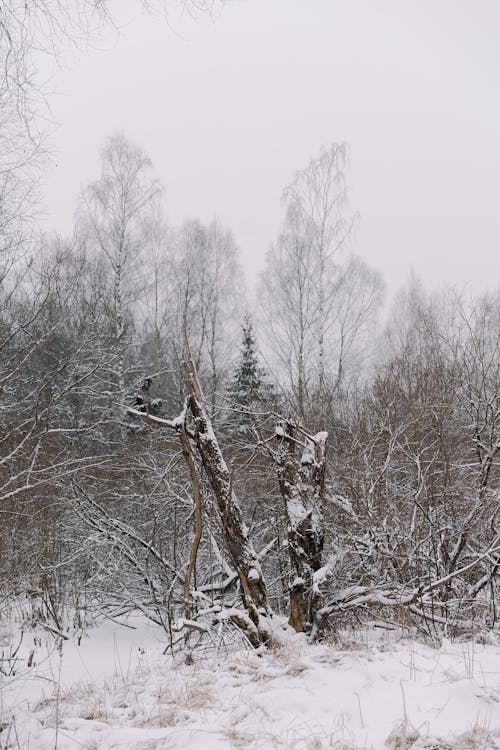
240	549
198	520
301	481
195	425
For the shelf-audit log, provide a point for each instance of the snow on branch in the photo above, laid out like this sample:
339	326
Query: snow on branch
175	424
355	596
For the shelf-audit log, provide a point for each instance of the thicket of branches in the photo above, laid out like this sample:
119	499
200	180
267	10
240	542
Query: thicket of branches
155	455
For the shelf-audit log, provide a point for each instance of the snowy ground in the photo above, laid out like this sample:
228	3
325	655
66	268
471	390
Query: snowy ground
117	690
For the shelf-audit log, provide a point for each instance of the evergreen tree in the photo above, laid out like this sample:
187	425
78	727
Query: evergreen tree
249	389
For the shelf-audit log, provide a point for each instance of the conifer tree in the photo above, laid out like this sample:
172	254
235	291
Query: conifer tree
249	389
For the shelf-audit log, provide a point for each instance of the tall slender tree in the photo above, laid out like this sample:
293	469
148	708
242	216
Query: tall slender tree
114	221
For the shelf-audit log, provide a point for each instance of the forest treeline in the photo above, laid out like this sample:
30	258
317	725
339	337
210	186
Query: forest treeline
169	446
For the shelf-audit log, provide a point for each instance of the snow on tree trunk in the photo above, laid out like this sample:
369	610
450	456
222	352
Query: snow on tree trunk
301	485
238	544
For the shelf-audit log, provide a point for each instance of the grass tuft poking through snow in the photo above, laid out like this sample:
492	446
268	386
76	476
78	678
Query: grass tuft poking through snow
117	691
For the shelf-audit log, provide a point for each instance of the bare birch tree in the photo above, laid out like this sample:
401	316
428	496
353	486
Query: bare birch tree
316	303
208	297
114	221
318	194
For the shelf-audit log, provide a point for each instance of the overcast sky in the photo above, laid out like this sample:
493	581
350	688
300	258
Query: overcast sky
229	109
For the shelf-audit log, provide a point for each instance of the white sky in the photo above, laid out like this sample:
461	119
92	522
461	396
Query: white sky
228	110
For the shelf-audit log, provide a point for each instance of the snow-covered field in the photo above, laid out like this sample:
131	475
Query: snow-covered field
117	690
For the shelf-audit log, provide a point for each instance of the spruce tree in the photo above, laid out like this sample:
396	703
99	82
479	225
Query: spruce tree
249	389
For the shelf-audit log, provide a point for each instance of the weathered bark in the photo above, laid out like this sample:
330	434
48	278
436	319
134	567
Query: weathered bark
198	527
194	424
301	483
239	547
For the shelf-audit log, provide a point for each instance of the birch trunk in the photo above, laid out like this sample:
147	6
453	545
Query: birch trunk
301	483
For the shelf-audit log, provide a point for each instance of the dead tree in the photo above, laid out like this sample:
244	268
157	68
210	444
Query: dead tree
302	481
195	424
